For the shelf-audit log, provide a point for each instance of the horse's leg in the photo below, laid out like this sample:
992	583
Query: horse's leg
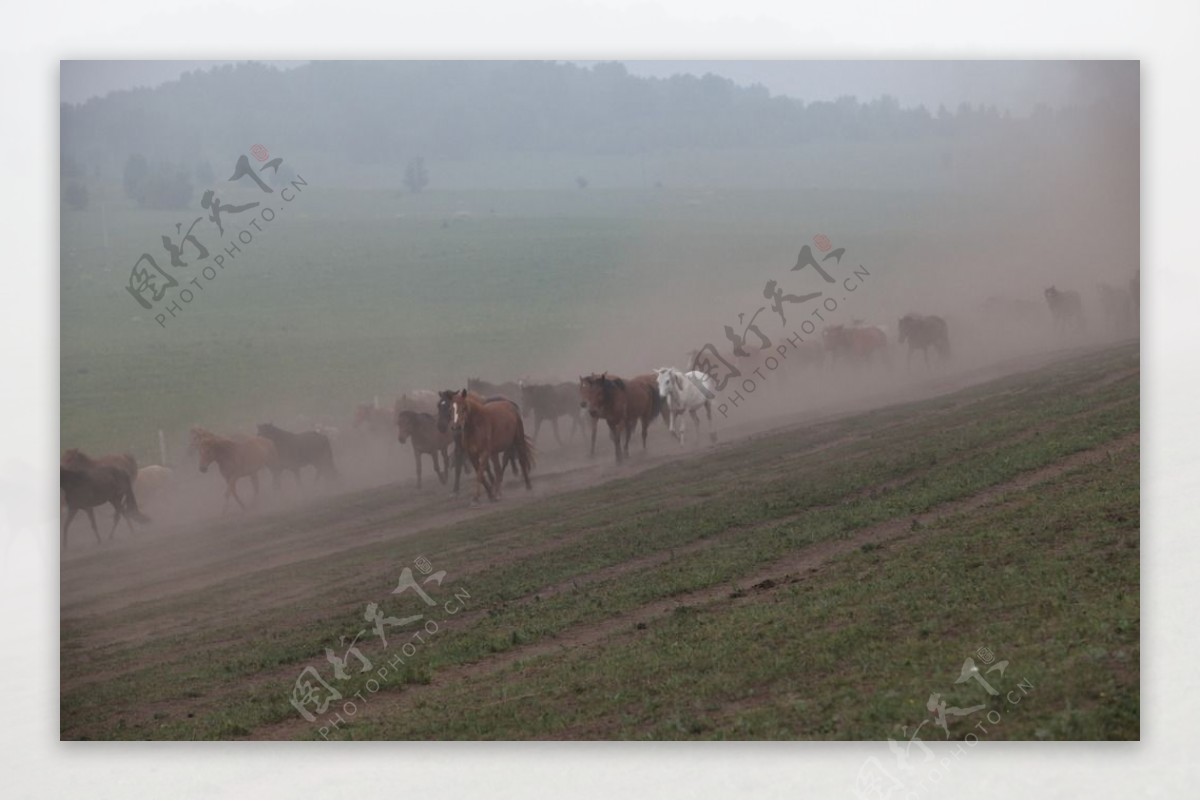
254	483
554	428
498	466
645	430
92	519
71	512
712	435
116	521
537	424
615	433
417	459
232	490
444	473
595	425
695	419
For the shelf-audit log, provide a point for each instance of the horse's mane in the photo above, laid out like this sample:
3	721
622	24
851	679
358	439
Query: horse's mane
411	414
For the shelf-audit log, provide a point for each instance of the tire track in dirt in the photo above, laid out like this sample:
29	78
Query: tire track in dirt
788	570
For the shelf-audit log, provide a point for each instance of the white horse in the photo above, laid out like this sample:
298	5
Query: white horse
686	392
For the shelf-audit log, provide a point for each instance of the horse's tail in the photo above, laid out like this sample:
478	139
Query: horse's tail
327	466
129	507
524	449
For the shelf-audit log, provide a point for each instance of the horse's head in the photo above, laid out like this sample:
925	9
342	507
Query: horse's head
208	453
1051	293
664	377
362	414
404	425
592	393
459	408
73	457
445	401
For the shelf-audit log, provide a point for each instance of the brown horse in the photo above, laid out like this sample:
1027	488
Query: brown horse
94	485
426	438
548	402
490	430
124	462
373	418
622	404
854	343
236	457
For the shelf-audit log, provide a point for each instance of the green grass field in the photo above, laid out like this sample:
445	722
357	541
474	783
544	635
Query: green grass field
352	293
817	583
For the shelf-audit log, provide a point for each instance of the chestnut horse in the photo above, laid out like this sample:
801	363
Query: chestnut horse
428	438
445	400
622	404
489	430
236	457
85	487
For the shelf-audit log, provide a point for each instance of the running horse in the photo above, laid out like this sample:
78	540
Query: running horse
86	486
854	343
686	392
548	402
922	333
488	431
236	457
297	451
1066	308
427	437
622	404
73	457
445	400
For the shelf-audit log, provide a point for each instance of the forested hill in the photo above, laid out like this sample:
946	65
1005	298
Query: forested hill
379	112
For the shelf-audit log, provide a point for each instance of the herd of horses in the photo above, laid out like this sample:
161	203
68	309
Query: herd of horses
480	428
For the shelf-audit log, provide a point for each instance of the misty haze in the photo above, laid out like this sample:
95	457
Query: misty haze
366	360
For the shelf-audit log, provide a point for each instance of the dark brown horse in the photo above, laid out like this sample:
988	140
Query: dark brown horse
428	438
91	486
490	430
297	451
622	404
550	402
922	333
1066	308
125	462
237	457
508	389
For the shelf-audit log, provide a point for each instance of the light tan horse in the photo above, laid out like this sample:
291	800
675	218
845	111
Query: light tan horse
237	457
489	430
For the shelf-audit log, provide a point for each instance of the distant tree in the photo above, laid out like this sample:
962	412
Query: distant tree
72	188
160	187
416	177
136	172
581	182
205	175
